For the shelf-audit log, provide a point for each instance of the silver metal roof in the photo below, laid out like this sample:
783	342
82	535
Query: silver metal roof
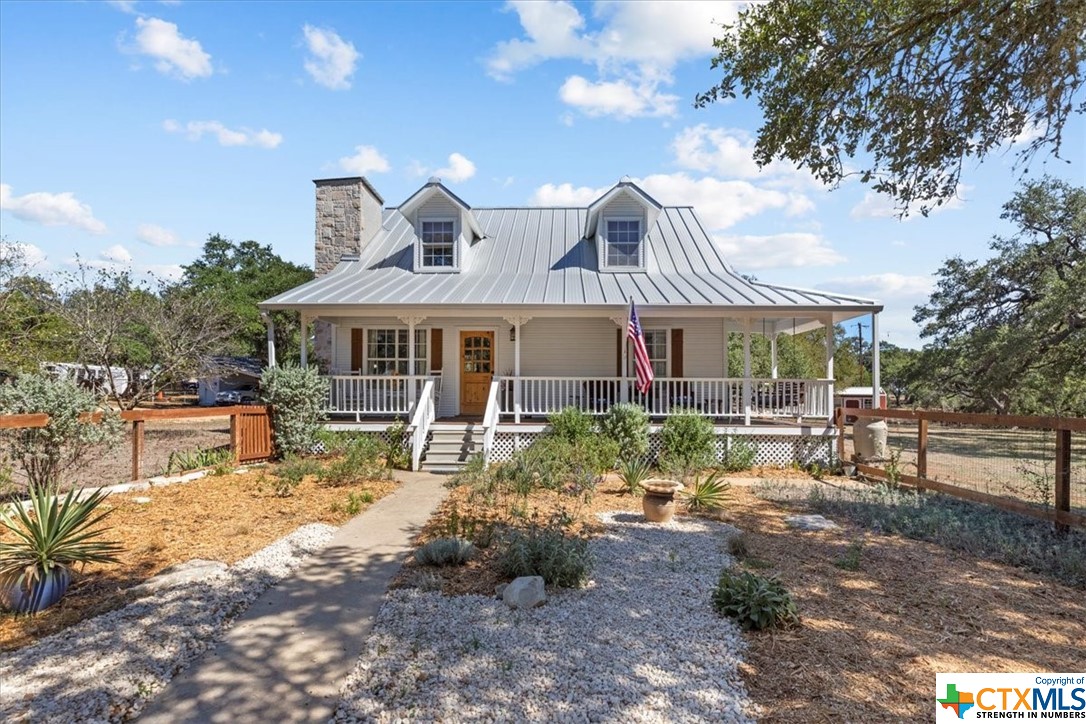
537	257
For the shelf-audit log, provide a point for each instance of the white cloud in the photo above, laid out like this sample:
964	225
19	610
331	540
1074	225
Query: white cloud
366	159
460	168
116	253
174	54
616	98
332	60
156	235
30	256
778	251
125	6
730	152
565	195
41	207
887	285
195	130
880	206
634	48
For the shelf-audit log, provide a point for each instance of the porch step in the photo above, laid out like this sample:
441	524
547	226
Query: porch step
451	445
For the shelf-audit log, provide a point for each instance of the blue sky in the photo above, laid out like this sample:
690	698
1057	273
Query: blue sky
130	131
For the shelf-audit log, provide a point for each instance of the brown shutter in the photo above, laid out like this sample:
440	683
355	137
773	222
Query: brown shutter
358	341
676	353
618	355
435	350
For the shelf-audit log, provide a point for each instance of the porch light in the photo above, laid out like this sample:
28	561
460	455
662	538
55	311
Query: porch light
513	333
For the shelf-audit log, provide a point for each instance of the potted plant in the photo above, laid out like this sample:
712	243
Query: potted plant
54	535
659	499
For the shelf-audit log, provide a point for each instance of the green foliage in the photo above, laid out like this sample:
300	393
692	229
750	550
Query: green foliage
358	461
181	461
572	425
708	492
633	472
445	552
355	501
398	452
242	275
689	443
628	425
902	90
850	560
1009	334
46	453
755	602
739	454
477	530
739	545
298	397
292	471
555	462
546	551
54	534
30	333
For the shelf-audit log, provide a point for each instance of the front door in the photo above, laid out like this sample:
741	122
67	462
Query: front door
476	371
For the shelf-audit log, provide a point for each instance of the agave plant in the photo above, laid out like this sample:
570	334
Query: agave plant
35	567
633	472
708	492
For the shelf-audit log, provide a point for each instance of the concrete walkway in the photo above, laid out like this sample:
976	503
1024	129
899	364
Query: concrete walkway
288	654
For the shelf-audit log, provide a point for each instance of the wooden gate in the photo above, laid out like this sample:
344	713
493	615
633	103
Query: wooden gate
251	433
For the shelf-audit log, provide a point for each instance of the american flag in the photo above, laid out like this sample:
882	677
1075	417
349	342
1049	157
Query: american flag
641	355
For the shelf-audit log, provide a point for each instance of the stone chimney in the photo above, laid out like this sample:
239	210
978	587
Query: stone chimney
348	217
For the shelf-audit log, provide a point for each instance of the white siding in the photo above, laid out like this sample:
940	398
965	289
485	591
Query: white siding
438	205
568	347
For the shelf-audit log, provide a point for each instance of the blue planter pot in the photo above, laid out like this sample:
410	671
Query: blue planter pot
17	594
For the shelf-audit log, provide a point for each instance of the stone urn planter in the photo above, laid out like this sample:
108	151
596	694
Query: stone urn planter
659	501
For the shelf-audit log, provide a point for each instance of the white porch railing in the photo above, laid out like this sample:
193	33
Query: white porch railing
423	417
362	395
490	419
734	397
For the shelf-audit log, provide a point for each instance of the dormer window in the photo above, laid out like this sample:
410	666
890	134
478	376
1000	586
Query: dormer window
438	244
623	240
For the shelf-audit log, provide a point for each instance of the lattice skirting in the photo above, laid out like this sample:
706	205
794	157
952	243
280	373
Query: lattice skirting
780	450
381	436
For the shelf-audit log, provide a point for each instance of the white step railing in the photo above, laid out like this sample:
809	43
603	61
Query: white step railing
423	417
361	395
490	419
712	396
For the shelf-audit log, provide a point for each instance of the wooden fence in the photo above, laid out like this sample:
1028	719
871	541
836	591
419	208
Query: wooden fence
250	428
1060	512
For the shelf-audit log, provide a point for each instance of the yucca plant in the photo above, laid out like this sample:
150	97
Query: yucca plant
35	568
709	492
633	472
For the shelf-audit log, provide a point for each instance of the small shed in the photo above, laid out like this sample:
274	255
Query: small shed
227	373
858	397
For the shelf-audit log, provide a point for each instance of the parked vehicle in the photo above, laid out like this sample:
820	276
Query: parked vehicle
244	395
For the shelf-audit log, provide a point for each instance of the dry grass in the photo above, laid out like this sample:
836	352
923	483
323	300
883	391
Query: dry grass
223	518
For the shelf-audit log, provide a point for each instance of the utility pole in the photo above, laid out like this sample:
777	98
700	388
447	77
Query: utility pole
860	348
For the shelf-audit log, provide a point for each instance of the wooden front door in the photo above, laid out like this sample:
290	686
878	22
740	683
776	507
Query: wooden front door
476	371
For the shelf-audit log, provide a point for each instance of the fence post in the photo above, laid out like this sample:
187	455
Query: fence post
235	436
922	449
137	449
839	414
1063	474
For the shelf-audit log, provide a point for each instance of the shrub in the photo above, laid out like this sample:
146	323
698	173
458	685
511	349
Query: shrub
689	443
298	397
397	452
46	453
850	561
445	552
572	425
555	461
359	461
292	472
708	492
628	426
740	453
183	461
545	551
739	545
633	472
755	602
338	442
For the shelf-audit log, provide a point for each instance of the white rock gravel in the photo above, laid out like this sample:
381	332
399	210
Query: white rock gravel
641	643
107	668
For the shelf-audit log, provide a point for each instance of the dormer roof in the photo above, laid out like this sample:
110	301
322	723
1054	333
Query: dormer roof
624	187
435	187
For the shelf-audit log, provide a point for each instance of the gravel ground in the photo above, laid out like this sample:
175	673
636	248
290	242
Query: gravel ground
641	643
106	669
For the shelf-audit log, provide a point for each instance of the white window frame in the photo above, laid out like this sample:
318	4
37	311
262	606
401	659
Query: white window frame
423	361
666	331
605	241
420	247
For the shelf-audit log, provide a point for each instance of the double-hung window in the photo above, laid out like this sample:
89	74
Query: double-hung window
438	244
657	347
623	243
387	352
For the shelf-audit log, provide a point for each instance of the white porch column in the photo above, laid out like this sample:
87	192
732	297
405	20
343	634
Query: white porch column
303	323
413	387
623	388
727	337
270	323
876	374
517	323
746	372
830	344
773	355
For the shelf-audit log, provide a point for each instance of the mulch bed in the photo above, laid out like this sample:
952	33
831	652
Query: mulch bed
223	518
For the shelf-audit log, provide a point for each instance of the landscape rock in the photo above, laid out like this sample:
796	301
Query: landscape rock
810	522
196	570
525	592
141	500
